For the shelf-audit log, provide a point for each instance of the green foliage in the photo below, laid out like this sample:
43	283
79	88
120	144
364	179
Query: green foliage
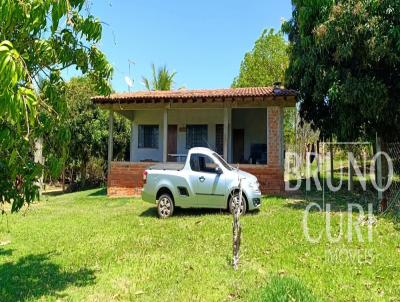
266	63
17	173
39	39
88	125
344	61
289	125
163	79
284	289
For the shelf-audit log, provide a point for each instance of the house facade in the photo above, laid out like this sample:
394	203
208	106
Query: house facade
244	125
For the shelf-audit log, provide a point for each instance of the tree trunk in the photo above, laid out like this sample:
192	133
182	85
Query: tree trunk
351	174
318	161
38	158
63	180
331	159
83	174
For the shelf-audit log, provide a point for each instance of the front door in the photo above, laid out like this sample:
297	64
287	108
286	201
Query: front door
238	146
208	186
172	142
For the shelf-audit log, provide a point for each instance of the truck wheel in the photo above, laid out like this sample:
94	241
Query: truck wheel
165	206
234	202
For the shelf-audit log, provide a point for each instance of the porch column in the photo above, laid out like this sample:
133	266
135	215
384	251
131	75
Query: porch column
282	137
230	148
165	135
110	140
226	132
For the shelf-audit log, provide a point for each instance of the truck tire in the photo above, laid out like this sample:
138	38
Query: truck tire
234	200
165	206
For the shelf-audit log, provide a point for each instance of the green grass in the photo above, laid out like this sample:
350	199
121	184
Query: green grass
86	247
282	289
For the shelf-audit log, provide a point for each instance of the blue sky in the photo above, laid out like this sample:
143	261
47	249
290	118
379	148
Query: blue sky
204	41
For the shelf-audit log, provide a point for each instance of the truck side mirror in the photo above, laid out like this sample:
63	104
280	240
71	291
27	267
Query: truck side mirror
218	170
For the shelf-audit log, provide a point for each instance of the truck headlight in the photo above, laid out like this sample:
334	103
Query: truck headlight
254	186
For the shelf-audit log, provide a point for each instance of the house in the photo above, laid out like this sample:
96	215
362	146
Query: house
244	125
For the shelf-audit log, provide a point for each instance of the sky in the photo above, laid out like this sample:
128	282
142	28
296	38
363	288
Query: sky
203	41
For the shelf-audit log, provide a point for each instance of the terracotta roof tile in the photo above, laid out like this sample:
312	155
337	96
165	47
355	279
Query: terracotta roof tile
193	94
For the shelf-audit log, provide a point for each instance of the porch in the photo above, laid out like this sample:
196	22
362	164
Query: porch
244	125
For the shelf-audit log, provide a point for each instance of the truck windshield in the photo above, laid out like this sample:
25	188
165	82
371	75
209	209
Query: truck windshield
223	162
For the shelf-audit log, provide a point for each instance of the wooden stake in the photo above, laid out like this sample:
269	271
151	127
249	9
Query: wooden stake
237	230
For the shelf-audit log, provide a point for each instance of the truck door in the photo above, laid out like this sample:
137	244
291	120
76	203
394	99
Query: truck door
208	185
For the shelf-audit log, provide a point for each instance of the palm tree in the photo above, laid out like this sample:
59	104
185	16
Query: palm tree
163	79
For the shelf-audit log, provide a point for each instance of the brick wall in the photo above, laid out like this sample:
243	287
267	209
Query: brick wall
126	178
270	177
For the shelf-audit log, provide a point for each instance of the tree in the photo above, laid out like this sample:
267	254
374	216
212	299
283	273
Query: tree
265	65
345	62
88	125
163	79
39	39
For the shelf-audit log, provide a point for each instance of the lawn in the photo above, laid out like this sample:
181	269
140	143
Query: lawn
86	247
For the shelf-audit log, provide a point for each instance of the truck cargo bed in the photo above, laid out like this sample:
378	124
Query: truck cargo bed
168	166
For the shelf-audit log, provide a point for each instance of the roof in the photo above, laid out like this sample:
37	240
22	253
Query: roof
182	94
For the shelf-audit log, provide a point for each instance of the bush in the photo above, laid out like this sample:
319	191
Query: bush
284	289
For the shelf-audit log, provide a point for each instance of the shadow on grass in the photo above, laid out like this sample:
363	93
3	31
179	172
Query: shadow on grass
34	276
7	252
53	193
179	212
99	192
339	201
195	212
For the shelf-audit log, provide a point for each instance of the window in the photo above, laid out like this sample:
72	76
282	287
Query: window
219	138
148	136
196	136
202	163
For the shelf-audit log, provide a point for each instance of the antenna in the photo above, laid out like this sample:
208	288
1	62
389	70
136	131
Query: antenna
128	82
208	145
128	79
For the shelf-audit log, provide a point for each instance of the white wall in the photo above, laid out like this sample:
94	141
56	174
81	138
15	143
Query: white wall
253	121
181	117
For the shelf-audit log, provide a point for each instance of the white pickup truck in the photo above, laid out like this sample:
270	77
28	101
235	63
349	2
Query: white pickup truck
206	180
